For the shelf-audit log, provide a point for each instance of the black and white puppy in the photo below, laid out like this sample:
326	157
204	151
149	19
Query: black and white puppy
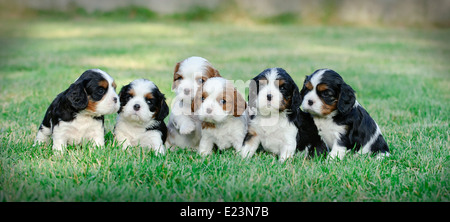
141	116
77	113
342	122
276	121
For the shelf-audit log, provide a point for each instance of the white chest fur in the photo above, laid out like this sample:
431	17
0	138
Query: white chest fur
83	127
275	133
231	133
329	130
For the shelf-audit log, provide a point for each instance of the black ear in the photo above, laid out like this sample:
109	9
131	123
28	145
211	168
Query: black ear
164	108
296	98
346	98
77	96
123	96
303	91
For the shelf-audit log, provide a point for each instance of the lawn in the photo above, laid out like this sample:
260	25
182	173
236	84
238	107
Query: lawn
401	76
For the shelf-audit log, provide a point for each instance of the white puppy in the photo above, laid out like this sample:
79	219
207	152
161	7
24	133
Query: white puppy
183	127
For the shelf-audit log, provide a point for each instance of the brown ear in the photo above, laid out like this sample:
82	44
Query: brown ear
239	104
196	102
175	76
212	72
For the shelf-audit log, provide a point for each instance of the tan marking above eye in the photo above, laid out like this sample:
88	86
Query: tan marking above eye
308	85
114	85
131	92
149	96
322	87
103	83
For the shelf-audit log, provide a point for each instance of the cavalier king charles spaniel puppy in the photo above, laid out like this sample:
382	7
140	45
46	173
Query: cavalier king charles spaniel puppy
276	121
342	122
78	112
141	116
183	127
222	110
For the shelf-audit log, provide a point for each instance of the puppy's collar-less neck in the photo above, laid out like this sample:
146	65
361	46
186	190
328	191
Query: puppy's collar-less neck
90	114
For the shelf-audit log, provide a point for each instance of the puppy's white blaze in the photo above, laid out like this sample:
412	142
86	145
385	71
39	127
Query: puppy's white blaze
191	65
312	95
265	106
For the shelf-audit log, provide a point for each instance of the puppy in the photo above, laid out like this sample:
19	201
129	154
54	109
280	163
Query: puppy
141	116
183	127
77	113
276	121
221	108
342	122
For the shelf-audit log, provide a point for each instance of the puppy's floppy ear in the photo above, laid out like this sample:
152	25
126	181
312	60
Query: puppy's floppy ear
177	67
304	90
212	72
163	111
123	96
296	98
77	96
346	98
239	104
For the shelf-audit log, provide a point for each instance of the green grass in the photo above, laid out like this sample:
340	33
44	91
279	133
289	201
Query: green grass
402	77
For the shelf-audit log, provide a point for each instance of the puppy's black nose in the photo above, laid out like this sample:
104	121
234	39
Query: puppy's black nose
115	99
269	97
310	102
136	107
187	91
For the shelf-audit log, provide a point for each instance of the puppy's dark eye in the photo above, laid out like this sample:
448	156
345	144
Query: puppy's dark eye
178	78
149	102
222	101
327	93
203	98
200	81
282	87
101	91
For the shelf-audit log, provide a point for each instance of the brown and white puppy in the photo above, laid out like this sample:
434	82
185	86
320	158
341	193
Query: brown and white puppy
77	113
222	112
141	116
342	122
183	127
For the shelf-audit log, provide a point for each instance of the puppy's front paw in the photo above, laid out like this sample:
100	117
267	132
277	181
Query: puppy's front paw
187	128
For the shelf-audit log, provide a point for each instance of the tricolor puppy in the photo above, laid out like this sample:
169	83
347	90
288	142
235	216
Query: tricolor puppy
276	121
77	113
141	116
183	127
222	110
342	122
